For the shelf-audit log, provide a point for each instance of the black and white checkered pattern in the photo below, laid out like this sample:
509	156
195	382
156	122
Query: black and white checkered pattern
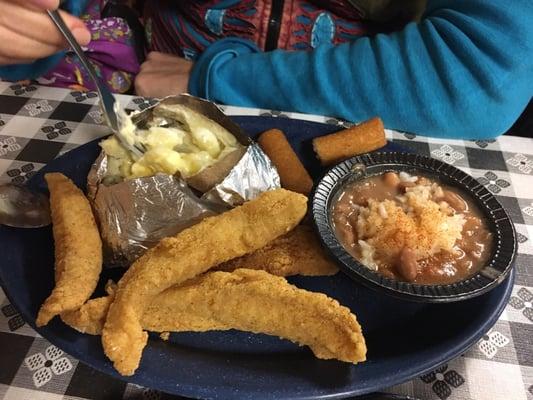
37	124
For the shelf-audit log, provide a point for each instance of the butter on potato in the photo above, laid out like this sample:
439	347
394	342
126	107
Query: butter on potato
190	145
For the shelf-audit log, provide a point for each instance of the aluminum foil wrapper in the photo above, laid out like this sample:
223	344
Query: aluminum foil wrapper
136	214
252	175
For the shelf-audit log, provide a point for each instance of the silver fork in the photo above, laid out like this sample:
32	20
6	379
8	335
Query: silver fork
107	100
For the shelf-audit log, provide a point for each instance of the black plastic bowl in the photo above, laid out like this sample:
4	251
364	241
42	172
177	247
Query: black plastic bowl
498	221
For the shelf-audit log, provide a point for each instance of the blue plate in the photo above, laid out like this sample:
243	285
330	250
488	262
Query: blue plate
404	339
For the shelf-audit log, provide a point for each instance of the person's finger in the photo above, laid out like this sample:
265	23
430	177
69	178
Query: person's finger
43	4
82	35
77	27
18	18
16	47
8	61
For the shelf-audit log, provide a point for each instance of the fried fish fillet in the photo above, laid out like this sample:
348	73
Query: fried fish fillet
296	253
191	252
78	248
248	300
90	317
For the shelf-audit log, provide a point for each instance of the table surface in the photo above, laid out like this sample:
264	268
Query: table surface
39	123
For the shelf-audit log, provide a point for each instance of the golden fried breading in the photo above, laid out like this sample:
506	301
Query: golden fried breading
292	173
195	250
247	300
90	317
363	138
296	253
78	248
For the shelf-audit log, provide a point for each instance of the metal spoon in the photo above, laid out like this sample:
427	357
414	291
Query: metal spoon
107	100
22	208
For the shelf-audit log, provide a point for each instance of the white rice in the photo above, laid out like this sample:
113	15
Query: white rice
411	220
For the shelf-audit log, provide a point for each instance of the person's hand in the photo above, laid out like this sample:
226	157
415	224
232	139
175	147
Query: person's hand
163	75
27	33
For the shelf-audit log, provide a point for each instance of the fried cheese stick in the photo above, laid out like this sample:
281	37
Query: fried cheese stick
78	248
296	253
191	252
292	173
248	300
363	138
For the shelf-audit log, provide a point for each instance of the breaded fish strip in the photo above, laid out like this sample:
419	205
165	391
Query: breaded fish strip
296	253
90	317
248	300
78	248
191	252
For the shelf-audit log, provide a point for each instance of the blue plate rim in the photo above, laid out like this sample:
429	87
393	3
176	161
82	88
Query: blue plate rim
402	376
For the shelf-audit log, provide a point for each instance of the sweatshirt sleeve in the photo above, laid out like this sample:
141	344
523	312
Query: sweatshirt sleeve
464	71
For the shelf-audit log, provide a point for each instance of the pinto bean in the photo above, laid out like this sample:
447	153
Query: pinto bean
455	201
407	266
391	179
402	186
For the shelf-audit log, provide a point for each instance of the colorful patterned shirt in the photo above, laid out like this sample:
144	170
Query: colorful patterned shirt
186	28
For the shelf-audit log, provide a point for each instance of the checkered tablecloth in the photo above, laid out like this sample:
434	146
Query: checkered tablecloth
38	124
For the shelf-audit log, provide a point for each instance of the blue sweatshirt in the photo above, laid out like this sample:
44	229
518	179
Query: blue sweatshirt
465	71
